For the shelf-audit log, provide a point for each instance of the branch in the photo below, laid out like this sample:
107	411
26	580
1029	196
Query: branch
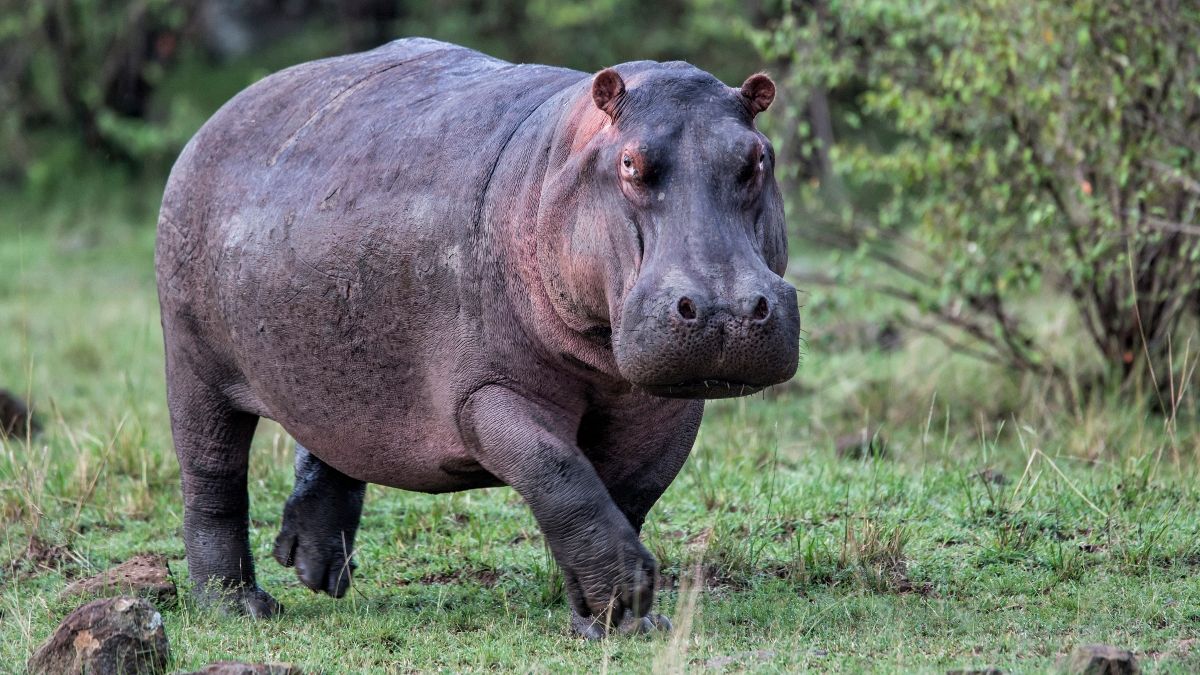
1170	226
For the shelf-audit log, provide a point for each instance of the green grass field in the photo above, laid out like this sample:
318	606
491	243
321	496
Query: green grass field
995	531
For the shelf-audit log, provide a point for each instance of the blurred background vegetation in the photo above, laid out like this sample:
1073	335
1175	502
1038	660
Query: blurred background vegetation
1019	180
989	452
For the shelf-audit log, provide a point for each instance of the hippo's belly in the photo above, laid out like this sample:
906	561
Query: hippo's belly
356	341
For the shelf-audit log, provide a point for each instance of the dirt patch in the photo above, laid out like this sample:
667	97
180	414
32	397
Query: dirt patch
1179	649
145	575
239	668
485	578
899	582
740	660
884	576
893	578
713	577
39	556
992	476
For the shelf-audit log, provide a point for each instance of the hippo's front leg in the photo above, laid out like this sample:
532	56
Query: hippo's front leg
530	446
638	447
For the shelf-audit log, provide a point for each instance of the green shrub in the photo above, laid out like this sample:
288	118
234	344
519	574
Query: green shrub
90	67
990	150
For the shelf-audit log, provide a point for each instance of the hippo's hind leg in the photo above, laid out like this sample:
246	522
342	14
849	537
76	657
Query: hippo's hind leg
212	441
319	523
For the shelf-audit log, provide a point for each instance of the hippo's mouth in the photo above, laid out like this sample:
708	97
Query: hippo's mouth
711	388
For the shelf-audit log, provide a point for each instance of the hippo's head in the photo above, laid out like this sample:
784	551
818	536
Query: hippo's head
673	239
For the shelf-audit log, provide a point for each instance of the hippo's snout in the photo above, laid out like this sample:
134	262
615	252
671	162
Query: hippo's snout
683	339
693	307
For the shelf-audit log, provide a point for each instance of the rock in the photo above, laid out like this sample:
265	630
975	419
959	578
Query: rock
15	415
986	670
1101	660
111	635
864	443
145	575
239	668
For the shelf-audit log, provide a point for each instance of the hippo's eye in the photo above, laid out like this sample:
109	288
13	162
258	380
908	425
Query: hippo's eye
629	167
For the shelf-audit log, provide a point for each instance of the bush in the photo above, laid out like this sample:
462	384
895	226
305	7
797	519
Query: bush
130	80
89	66
988	150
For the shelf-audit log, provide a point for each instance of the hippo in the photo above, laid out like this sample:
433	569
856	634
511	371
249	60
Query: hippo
441	271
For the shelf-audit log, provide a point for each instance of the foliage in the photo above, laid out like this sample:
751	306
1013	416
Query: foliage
90	66
989	149
594	34
776	554
128	81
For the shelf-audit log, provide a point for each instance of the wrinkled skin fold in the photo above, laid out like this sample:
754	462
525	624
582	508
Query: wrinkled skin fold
439	271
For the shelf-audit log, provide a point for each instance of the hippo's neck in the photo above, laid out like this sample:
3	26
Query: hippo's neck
522	228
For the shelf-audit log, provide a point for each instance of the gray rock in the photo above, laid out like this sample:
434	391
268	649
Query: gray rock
1101	660
111	635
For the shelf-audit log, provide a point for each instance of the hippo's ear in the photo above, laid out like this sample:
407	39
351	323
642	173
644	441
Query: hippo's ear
759	91
607	88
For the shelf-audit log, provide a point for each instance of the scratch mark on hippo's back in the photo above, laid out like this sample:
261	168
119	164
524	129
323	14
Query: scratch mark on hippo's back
328	201
333	103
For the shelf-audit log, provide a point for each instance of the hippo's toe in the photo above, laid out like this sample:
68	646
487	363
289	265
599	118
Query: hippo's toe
258	604
592	628
322	567
642	625
250	601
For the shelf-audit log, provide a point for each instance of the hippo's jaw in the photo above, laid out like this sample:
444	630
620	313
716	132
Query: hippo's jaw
705	389
703	345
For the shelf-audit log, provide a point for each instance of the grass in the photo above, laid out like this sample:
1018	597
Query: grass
994	532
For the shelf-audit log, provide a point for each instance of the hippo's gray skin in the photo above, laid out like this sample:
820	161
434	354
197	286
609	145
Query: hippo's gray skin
441	271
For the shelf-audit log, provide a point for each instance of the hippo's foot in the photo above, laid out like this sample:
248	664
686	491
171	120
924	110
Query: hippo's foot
593	628
322	562
250	601
320	520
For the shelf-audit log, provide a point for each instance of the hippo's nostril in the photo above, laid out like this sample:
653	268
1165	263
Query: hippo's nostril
762	309
687	308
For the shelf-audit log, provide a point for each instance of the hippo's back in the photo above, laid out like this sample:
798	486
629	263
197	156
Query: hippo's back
317	233
410	129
